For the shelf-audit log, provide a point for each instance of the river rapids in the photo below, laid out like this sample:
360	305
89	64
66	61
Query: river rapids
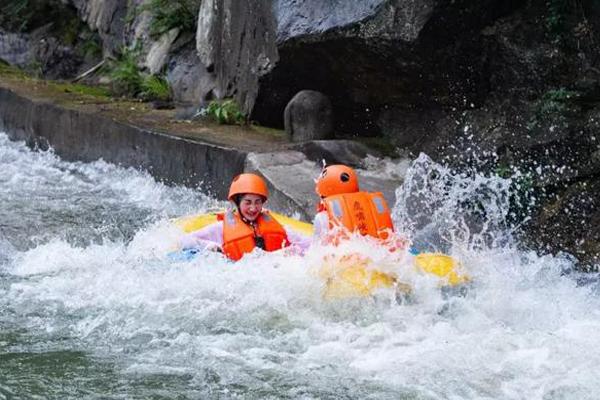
90	307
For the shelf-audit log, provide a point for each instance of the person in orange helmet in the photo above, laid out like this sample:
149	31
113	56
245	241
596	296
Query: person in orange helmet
343	205
246	227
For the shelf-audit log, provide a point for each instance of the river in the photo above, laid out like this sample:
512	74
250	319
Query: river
90	307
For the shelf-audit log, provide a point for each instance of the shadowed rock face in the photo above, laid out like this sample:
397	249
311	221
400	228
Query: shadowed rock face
554	228
367	56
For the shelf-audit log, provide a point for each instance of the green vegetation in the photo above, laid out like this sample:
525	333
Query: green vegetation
129	81
225	112
26	15
94	91
69	30
35	69
17	15
90	44
264	130
169	14
554	107
155	88
568	24
126	76
504	171
12	72
557	101
8	70
557	16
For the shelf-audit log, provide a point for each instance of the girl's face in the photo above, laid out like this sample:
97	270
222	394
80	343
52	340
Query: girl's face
251	206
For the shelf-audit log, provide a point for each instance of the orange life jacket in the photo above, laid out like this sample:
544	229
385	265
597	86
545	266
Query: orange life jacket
239	237
367	213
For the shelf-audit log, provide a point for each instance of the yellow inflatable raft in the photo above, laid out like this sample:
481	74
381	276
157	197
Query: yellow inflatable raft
353	275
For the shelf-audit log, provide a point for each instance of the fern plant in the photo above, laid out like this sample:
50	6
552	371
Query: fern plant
554	107
556	18
169	14
155	88
226	112
126	75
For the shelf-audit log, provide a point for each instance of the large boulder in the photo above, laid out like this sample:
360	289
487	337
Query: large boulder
308	116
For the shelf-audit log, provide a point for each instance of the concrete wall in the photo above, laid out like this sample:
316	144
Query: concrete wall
80	136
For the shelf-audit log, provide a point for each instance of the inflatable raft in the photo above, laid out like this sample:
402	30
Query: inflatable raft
355	274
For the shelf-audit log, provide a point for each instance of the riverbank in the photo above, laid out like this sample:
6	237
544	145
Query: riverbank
85	123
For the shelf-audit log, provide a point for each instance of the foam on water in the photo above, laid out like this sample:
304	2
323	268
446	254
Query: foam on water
260	328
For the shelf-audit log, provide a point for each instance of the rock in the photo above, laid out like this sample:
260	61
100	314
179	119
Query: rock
55	60
162	105
553	230
108	18
308	116
187	113
336	152
14	48
189	79
303	18
158	53
236	40
39	50
408	128
207	35
288	177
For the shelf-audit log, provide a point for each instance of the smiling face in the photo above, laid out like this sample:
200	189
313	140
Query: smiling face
251	206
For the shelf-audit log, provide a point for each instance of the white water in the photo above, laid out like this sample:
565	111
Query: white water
82	271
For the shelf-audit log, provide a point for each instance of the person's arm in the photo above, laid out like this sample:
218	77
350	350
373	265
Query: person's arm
208	238
321	224
298	240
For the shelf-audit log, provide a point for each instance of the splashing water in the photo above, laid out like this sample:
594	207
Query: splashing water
91	308
441	207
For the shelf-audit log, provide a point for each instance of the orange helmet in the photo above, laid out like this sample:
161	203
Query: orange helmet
248	183
336	179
